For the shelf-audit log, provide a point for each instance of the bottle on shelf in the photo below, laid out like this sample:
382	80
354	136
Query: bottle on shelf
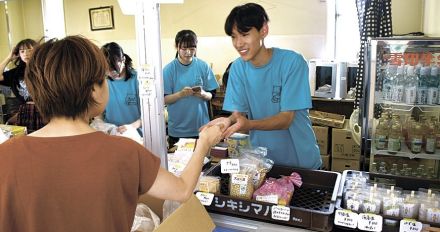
422	89
387	82
394	139
430	144
411	86
381	136
416	135
398	85
433	83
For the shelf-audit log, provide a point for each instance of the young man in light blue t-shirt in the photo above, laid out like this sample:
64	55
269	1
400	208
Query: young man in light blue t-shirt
270	86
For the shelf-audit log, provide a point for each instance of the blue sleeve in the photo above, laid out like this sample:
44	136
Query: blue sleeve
235	98
168	85
296	86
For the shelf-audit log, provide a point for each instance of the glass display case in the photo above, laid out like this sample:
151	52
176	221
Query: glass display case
402	107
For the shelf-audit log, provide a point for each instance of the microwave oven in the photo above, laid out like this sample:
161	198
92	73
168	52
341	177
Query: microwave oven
330	79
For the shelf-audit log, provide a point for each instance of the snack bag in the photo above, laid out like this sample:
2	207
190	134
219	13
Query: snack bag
278	191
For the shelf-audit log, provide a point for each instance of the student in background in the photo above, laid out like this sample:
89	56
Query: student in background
270	86
123	108
189	84
27	114
68	176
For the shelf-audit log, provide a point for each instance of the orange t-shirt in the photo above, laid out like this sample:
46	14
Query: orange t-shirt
87	182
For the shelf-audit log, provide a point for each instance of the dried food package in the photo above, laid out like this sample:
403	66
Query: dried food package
278	191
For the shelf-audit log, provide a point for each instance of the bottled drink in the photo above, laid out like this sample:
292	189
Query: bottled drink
422	89
381	135
387	82
430	139
411	86
433	86
394	139
416	139
398	85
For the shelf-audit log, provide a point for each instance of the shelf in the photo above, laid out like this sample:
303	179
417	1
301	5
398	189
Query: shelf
405	152
331	99
404	106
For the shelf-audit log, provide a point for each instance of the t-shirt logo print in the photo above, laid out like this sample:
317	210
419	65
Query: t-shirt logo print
130	99
276	93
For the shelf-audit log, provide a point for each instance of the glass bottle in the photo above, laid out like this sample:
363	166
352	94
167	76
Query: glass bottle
433	86
422	89
394	139
411	86
381	136
387	82
398	85
430	139
416	139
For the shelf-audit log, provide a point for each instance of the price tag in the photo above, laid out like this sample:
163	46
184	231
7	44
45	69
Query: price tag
268	198
205	198
230	166
240	179
280	213
410	225
370	222
346	218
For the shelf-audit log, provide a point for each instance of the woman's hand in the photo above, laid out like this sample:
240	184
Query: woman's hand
211	134
187	91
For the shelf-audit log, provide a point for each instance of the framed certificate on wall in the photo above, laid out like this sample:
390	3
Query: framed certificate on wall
101	18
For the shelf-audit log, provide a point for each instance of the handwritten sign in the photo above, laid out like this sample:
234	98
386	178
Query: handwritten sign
346	218
410	225
205	198
370	222
230	166
280	213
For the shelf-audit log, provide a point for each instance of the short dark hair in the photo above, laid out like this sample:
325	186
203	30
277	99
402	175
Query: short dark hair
245	17
113	52
61	75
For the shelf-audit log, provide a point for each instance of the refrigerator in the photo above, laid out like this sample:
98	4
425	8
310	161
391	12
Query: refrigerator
401	107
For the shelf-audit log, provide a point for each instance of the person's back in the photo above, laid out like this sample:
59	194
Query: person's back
94	189
67	176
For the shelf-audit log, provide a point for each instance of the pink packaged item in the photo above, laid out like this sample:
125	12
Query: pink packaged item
278	191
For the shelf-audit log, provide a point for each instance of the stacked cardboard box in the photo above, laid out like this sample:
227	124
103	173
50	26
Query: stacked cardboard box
322	138
346	153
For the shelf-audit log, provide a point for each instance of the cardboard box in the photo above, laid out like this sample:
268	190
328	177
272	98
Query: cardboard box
339	165
321	133
325	162
343	144
191	216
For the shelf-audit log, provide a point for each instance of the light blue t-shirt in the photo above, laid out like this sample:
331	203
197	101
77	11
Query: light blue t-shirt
123	105
262	92
188	114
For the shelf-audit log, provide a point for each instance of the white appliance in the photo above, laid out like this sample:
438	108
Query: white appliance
331	79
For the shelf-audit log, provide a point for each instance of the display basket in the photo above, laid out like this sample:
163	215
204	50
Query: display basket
312	205
327	119
384	180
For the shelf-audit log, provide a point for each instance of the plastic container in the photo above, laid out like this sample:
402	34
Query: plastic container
312	205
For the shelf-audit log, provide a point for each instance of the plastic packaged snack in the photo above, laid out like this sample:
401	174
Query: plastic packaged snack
209	184
278	191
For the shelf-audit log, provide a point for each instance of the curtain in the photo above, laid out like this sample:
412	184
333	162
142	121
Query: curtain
374	18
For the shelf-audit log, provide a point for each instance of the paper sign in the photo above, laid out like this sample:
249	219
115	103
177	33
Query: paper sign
370	222
230	166
410	225
205	198
240	179
346	218
280	213
269	199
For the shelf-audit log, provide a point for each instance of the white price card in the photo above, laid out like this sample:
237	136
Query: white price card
281	213
410	225
370	222
346	218
230	166
268	198
205	198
